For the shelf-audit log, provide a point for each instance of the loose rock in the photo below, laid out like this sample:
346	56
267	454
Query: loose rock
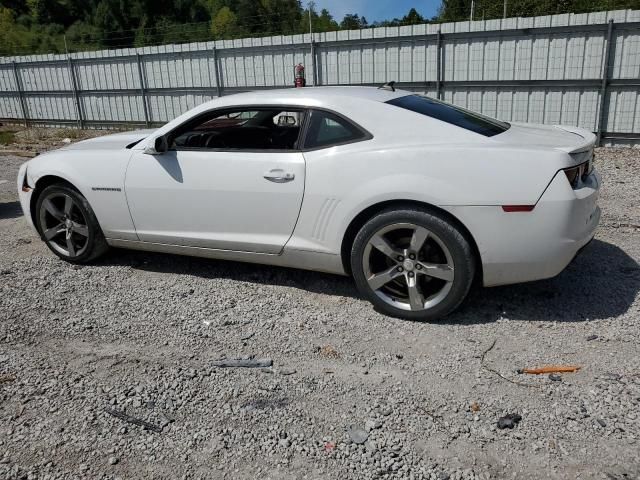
509	421
357	435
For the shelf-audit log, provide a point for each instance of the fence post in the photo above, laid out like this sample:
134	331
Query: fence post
143	91
605	81
215	71
76	96
439	66
314	72
23	103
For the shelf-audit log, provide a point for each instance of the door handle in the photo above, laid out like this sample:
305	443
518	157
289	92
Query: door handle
277	175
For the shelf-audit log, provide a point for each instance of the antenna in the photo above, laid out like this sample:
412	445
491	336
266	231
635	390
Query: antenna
388	86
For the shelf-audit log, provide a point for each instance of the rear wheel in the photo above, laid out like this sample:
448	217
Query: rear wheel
68	225
412	264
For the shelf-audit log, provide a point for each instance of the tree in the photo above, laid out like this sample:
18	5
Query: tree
34	26
452	10
326	23
224	24
109	24
323	22
351	21
412	18
82	36
17	7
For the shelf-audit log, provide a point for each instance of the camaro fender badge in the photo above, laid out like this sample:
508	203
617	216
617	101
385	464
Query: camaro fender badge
106	189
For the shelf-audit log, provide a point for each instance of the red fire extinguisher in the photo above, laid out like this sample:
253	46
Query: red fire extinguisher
299	76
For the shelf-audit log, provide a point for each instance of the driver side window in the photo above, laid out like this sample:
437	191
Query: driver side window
250	129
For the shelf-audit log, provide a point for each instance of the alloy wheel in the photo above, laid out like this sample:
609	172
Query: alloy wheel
64	226
408	266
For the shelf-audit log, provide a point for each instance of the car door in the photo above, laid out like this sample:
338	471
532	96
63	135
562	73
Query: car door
232	181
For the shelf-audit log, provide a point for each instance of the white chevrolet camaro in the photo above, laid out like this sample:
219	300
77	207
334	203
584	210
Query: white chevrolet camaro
413	197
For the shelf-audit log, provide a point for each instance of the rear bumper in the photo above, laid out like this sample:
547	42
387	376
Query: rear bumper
525	246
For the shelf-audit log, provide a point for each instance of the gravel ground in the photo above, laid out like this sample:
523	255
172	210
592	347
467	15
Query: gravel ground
29	141
351	394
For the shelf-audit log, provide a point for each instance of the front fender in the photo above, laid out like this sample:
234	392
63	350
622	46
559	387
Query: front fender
98	176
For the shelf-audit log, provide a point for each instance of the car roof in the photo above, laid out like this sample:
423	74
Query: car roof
355	102
311	95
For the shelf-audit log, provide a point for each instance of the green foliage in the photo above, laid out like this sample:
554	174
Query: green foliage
7	137
50	26
457	10
225	24
322	22
352	21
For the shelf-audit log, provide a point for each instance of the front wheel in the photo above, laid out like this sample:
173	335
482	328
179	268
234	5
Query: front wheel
412	264
68	225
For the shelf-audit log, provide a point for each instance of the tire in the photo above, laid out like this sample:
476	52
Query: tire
412	264
68	226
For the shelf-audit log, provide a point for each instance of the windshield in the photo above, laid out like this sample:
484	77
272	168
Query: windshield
448	113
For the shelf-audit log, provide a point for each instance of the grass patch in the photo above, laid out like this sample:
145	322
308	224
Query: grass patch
7	137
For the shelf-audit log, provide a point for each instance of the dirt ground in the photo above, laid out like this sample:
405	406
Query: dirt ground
138	332
15	139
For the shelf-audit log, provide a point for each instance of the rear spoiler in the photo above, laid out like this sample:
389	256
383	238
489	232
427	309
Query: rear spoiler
589	139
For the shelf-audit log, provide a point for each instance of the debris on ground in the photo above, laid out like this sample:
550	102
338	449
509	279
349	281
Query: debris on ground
7	377
550	369
286	371
243	363
555	377
591	338
484	365
475	406
135	421
509	421
329	352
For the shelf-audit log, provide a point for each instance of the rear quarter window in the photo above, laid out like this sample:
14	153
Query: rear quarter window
451	114
327	129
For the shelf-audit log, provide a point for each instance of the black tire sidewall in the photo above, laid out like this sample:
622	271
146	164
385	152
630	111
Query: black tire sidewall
96	242
453	238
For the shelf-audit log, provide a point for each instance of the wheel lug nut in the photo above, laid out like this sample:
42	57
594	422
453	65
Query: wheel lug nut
412	256
400	269
411	274
419	267
400	258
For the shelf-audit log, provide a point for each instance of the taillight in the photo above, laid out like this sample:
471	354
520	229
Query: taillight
579	172
588	169
572	174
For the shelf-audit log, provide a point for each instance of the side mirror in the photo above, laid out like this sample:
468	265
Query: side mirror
160	146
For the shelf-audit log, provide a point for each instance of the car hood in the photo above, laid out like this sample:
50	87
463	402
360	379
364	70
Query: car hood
564	138
116	141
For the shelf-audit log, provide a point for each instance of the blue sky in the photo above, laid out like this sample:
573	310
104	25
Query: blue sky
377	9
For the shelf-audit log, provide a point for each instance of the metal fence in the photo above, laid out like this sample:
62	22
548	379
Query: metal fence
574	69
